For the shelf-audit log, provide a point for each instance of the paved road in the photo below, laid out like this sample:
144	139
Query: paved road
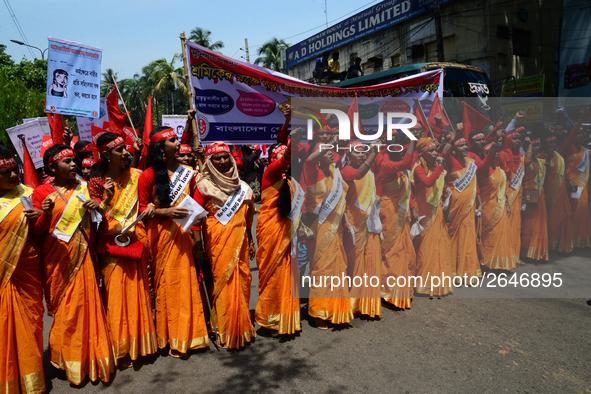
448	345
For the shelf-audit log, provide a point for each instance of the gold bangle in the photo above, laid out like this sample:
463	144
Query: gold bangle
104	206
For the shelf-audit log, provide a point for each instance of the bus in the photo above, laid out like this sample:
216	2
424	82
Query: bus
459	80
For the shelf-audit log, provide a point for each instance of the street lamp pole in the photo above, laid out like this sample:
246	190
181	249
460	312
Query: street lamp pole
27	45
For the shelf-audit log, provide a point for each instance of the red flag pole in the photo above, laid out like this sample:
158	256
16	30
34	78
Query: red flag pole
124	106
428	125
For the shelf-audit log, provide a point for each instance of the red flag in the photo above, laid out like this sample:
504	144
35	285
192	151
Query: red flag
473	120
46	142
116	116
96	132
436	109
352	109
29	173
147	131
56	125
421	120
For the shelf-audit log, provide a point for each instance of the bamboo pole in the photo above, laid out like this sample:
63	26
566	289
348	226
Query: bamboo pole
124	106
196	140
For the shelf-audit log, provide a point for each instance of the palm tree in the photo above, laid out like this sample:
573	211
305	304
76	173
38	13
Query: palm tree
270	54
167	79
107	82
202	37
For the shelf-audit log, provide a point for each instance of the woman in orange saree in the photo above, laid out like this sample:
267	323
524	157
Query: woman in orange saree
497	251
79	340
560	224
534	227
434	264
465	204
325	203
398	253
180	322
228	242
127	295
362	210
278	306
577	174
21	287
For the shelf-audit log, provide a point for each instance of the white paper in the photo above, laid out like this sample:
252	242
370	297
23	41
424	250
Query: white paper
416	228
196	212
27	202
95	217
577	194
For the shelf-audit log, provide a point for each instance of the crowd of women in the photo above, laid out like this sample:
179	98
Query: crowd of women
119	263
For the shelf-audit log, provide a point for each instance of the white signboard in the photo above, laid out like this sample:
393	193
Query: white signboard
33	132
177	122
43	122
84	123
73	78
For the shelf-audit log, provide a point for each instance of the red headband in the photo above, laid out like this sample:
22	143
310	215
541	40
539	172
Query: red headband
110	145
487	147
459	142
60	155
7	162
185	148
278	150
479	135
163	135
512	134
217	148
86	148
550	139
431	145
536	141
519	129
88	162
448	136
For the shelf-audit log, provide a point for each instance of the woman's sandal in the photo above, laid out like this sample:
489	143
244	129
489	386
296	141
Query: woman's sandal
321	324
175	353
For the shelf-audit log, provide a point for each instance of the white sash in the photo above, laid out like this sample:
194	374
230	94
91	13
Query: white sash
297	202
584	161
332	198
374	224
178	182
232	204
516	181
461	183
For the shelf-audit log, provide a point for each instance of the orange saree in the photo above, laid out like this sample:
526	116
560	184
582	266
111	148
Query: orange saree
79	341
534	228
560	224
278	306
364	254
434	246
514	190
462	228
580	206
497	251
398	253
329	257
180	321
21	300
127	295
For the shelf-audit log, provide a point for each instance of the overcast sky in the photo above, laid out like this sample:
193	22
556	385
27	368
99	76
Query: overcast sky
133	33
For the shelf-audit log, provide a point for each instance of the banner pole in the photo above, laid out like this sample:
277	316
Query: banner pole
196	140
124	106
423	112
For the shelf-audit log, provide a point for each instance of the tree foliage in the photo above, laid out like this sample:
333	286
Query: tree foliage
270	54
201	37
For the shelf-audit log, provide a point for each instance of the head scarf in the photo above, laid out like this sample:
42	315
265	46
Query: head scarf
214	184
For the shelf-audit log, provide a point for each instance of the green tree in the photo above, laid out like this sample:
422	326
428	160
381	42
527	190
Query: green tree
270	54
168	80
202	37
107	82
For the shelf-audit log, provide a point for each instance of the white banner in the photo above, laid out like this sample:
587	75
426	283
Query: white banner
177	122
84	123
43	122
33	132
73	78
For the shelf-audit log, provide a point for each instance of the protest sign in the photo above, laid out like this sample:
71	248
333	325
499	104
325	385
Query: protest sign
43	122
84	123
177	122
33	133
241	103
73	78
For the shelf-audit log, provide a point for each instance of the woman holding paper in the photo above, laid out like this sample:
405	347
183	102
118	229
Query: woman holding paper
577	174
396	210
434	260
79	340
164	185
364	255
124	268
228	243
278	305
326	193
21	287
